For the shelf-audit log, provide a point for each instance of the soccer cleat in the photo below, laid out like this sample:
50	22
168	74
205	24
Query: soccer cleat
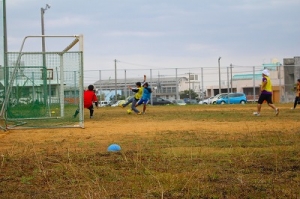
91	117
139	113
256	113
277	111
292	108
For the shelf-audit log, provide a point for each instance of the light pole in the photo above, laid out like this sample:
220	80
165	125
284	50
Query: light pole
219	75
43	50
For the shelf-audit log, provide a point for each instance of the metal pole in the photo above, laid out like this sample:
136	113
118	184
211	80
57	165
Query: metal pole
254	94
43	51
125	84
231	78
116	98
177	93
219	75
151	85
202	82
100	88
189	85
279	74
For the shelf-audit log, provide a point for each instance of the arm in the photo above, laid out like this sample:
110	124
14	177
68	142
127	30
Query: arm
263	85
133	89
95	100
144	78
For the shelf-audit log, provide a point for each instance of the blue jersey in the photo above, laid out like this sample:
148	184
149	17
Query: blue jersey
146	93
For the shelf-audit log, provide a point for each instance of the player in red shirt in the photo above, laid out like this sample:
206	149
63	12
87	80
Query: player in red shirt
89	97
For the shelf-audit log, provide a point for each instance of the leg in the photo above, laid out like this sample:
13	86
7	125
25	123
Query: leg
270	103
128	102
133	107
91	108
261	99
258	108
144	108
76	113
296	102
272	106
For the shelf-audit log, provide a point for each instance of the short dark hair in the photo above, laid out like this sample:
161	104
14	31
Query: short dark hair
91	87
298	80
138	84
146	84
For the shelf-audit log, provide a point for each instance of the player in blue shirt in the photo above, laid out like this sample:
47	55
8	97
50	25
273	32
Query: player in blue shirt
145	97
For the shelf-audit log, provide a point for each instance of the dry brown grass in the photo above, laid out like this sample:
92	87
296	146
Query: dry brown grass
171	152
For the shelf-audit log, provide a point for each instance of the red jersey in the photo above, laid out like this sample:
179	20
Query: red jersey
89	98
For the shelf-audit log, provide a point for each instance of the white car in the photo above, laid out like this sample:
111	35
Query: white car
118	103
215	98
179	102
206	101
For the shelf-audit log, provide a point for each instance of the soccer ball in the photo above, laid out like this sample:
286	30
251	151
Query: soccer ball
129	111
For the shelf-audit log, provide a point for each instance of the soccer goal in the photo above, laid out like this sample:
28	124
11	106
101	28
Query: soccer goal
43	89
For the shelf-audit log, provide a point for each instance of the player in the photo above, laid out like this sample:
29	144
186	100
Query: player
145	97
266	93
138	94
297	98
89	97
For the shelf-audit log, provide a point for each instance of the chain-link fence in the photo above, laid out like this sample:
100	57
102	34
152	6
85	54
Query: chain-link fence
169	83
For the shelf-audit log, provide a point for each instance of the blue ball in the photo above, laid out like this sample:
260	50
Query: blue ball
113	148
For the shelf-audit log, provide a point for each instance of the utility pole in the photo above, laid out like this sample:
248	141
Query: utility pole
116	97
219	75
189	85
44	55
231	77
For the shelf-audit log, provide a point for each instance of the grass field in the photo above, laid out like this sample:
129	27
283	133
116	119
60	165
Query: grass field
196	151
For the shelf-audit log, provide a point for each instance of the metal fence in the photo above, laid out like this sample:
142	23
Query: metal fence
205	81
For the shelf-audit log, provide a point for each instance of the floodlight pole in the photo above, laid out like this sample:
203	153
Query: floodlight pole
219	75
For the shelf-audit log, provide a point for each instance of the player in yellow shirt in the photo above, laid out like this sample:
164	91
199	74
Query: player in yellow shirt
137	96
266	93
297	98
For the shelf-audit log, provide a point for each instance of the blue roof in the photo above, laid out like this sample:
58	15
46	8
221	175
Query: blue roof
270	66
246	76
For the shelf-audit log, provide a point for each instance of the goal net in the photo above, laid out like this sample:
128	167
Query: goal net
43	89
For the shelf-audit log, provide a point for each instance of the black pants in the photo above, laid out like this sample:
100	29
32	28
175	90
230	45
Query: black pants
91	108
296	101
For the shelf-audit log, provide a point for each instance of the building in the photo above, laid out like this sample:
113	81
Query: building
250	83
165	87
291	74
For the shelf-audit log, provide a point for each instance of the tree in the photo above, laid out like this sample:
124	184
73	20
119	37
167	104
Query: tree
186	94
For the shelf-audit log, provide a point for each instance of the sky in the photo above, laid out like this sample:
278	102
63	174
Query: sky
162	33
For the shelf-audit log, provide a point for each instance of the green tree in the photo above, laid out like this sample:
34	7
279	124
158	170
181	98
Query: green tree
186	94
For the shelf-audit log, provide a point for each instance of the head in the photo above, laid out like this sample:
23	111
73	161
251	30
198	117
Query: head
138	84
146	84
265	72
90	87
298	81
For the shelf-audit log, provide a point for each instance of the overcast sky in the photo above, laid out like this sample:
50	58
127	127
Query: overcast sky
163	33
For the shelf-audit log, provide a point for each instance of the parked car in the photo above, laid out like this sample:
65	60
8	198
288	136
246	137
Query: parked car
206	101
160	101
191	101
216	97
103	103
233	98
118	103
179	102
